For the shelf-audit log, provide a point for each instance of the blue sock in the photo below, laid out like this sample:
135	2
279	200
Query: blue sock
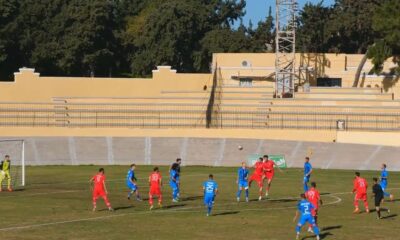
298	228
239	193
247	193
209	209
174	193
305	187
316	230
386	194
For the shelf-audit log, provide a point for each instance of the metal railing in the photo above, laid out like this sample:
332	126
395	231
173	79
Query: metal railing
74	115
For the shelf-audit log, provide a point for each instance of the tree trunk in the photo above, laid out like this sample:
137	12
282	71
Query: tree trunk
359	69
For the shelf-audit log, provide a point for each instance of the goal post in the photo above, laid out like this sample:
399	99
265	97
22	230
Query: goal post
15	148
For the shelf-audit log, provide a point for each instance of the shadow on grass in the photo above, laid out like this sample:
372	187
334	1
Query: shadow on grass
173	206
321	235
122	208
283	200
331	227
325	193
324	232
389	216
226	213
192	198
394	200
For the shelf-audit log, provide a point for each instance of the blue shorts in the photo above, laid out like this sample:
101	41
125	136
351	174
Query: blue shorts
208	200
173	185
131	186
306	179
306	218
243	184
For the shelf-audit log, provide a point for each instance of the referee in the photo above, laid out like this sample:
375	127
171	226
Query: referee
378	195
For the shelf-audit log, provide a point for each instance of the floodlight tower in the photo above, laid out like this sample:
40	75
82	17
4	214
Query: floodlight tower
285	47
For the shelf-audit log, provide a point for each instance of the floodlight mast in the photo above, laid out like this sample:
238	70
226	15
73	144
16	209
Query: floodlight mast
285	39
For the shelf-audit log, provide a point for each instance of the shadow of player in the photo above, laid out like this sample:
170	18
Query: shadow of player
192	198
331	228
173	206
120	208
321	235
226	213
389	216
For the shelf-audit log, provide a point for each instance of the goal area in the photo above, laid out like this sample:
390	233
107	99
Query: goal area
15	148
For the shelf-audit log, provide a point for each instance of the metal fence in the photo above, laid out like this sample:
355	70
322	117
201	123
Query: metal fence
146	115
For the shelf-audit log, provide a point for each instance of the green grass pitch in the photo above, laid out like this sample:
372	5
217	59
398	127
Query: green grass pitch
56	204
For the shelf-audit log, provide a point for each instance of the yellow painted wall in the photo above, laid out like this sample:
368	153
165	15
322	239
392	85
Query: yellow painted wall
369	138
372	138
30	87
324	65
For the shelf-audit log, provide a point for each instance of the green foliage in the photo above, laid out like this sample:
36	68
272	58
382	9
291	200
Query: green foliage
312	22
386	21
379	52
132	37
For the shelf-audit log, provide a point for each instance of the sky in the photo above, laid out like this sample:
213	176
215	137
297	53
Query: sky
257	10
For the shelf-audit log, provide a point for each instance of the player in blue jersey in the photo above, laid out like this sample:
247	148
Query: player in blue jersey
384	182
210	188
307	173
131	183
174	182
242	181
304	207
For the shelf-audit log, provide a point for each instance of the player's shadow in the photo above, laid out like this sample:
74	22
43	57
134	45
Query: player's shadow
173	206
331	228
321	235
191	198
394	200
122	208
325	193
389	216
226	213
283	200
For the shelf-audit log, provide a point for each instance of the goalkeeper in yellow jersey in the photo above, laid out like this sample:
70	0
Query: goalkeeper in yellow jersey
5	173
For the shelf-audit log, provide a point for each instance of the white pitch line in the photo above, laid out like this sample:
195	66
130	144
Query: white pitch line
338	200
39	194
68	221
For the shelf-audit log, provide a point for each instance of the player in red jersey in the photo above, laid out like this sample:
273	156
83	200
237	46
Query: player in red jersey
155	187
258	176
99	189
314	198
269	172
360	188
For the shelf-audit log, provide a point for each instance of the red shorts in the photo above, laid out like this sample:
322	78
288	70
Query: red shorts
98	193
257	178
155	191
314	211
269	175
361	196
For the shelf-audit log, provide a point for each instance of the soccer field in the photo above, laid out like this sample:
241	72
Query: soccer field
56	204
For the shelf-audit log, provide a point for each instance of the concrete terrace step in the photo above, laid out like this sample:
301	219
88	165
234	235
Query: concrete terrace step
363	96
344	90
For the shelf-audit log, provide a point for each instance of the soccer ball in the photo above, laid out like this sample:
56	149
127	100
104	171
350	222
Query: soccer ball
240	148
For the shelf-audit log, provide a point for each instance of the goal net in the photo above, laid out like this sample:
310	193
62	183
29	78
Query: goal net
14	149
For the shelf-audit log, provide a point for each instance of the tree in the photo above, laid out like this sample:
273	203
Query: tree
312	23
263	38
386	21
172	33
350	26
